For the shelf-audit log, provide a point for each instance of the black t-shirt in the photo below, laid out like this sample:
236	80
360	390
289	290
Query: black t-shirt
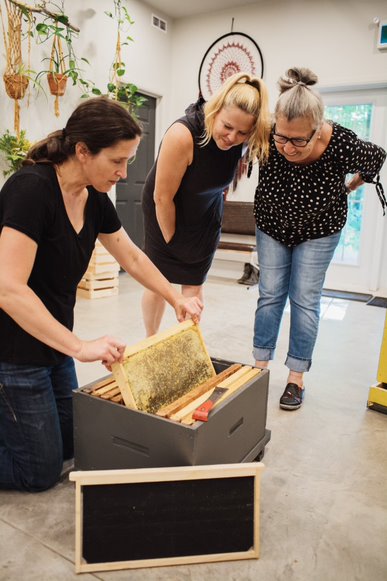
32	203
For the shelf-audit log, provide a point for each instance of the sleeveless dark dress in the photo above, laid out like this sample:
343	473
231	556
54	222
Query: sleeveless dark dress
187	258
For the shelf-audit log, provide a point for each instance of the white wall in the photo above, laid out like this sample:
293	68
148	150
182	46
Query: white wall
335	38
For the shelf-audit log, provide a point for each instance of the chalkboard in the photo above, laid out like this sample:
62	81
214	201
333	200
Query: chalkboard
150	517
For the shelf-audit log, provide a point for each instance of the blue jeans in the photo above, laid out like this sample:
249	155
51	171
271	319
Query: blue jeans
36	424
297	273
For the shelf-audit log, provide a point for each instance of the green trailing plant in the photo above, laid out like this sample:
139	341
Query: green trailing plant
124	92
127	95
15	149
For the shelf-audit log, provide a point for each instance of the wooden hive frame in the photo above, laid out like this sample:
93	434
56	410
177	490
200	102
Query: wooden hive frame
164	367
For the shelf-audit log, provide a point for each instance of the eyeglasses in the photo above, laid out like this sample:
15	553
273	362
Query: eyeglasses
295	141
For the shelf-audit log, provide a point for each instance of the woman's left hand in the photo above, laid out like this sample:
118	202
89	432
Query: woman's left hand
355	182
188	308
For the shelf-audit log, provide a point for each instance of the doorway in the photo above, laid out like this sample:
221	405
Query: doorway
356	266
128	191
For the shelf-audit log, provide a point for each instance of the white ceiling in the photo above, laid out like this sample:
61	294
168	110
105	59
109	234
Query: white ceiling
184	8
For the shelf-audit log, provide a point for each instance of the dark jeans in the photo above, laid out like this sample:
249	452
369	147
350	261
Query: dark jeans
36	424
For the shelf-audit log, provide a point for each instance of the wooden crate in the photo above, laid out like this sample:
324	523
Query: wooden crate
101	277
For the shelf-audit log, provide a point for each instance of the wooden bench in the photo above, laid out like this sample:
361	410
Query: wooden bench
237	242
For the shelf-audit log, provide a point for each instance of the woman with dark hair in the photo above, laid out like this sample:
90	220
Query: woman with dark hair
183	193
51	213
300	209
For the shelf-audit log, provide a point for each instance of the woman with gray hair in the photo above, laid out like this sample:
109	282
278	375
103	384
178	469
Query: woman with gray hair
300	209
183	193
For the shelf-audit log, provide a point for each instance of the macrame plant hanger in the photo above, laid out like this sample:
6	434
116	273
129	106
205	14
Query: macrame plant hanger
117	64
16	83
57	79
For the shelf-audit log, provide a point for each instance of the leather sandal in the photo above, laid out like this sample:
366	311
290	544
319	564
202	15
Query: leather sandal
292	397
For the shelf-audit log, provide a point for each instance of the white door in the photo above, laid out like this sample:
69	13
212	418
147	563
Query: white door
356	265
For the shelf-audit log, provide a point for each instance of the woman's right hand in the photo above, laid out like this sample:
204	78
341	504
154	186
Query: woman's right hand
106	349
188	308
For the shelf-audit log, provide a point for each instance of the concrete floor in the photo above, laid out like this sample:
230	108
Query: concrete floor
323	496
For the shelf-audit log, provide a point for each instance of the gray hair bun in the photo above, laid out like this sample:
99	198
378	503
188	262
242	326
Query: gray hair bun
295	76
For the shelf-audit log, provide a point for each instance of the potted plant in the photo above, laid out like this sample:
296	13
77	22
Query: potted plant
58	75
17	80
63	64
16	84
16	77
60	68
15	149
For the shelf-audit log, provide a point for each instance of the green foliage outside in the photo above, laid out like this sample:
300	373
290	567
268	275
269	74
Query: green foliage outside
358	118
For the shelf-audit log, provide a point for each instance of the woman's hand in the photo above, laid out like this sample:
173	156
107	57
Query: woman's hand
355	182
106	349
188	308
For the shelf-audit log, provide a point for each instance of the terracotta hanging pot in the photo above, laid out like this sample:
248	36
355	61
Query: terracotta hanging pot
57	83
15	85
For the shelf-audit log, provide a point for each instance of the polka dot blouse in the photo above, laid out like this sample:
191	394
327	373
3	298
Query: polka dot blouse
294	203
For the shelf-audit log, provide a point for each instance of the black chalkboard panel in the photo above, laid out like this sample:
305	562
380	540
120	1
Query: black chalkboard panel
167	519
149	517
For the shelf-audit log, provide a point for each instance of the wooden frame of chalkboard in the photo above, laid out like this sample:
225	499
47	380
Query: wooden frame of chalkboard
127	519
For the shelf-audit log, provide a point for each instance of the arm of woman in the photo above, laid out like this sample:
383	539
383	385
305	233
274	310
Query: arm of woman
138	265
355	182
20	302
365	160
175	156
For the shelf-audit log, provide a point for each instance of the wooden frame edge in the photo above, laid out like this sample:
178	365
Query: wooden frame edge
129	476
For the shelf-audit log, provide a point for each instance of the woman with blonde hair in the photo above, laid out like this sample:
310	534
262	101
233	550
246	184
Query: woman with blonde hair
183	193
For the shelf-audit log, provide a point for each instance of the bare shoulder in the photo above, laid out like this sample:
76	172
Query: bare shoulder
178	141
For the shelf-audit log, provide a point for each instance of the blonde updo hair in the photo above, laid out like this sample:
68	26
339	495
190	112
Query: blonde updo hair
250	94
297	99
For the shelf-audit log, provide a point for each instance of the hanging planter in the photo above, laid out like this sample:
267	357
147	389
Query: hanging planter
15	81
15	85
57	83
125	93
62	64
57	78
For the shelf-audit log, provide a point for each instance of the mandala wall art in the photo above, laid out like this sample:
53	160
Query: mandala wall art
232	53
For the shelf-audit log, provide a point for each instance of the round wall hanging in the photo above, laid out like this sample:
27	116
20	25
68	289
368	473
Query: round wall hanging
234	52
